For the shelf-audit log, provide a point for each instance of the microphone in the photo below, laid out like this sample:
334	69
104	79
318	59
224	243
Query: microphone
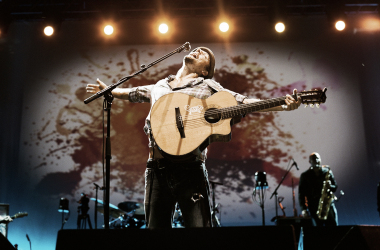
97	186
187	47
27	236
295	164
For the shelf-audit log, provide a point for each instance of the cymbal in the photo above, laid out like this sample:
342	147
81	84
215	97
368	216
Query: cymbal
114	211
129	206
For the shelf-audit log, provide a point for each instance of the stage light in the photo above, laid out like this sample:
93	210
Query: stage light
63	205
163	28
48	30
224	27
340	25
108	30
279	27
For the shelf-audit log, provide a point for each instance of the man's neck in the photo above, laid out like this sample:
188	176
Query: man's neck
317	168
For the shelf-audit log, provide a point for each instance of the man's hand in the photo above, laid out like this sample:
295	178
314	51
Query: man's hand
291	103
94	88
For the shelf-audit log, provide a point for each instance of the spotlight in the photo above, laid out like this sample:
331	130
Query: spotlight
108	30
48	30
163	28
279	27
336	15
340	25
224	27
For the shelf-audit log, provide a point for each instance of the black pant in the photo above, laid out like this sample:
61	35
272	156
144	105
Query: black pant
167	183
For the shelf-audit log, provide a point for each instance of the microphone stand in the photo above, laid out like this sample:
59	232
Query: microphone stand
275	191
107	93
215	219
96	204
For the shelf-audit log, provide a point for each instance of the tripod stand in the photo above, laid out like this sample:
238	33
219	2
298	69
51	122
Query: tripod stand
83	219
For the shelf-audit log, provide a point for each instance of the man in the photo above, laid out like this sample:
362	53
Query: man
185	181
310	188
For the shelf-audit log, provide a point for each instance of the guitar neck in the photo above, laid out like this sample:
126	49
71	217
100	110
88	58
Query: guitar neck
242	109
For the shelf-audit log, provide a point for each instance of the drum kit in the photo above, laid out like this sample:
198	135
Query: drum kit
131	214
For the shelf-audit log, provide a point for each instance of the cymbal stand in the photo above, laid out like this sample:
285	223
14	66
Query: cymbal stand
108	98
215	209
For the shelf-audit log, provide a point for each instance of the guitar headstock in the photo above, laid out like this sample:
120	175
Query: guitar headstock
20	214
313	97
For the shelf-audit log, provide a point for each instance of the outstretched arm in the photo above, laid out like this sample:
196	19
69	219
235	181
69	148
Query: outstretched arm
291	103
120	93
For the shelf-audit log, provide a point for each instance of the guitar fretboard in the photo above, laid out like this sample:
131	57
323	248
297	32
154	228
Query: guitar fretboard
233	111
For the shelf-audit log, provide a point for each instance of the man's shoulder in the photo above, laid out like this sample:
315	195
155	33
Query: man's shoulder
213	84
307	172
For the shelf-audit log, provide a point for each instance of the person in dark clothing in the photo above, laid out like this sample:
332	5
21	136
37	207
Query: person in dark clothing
310	191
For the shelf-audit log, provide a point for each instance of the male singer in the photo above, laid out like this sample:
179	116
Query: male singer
166	181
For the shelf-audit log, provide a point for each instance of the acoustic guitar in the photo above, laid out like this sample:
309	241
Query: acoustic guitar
181	123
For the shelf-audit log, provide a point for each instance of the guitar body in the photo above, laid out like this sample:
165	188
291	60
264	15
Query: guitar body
197	129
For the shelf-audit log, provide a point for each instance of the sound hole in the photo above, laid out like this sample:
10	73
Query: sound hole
212	115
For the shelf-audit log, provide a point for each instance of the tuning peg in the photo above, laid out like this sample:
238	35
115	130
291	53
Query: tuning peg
317	105
312	106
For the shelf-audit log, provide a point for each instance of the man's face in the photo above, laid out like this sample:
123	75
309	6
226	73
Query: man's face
197	61
315	160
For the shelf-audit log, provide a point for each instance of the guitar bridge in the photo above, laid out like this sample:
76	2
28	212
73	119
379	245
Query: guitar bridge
179	122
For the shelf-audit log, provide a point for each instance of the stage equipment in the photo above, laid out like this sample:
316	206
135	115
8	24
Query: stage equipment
30	242
163	28
224	27
96	203
215	208
83	217
64	208
108	98
279	184
261	186
269	237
